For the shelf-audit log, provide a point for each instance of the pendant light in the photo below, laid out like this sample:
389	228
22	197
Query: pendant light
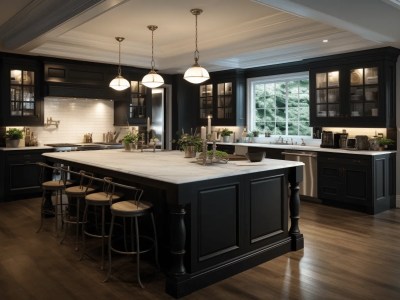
152	80
196	73
119	83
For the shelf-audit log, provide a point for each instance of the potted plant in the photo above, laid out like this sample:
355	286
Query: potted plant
256	134
385	142
226	133
190	143
129	140
13	135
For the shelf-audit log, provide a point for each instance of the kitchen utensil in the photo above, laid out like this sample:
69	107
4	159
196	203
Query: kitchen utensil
374	144
327	139
351	143
336	140
343	140
362	142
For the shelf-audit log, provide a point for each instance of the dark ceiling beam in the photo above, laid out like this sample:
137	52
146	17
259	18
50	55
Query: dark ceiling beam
42	20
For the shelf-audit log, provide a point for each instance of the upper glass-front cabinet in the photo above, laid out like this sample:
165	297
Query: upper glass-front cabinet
364	92
223	98
22	100
328	94
354	89
137	105
206	100
224	102
22	92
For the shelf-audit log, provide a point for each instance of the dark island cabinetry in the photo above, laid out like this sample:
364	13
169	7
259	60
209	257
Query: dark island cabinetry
19	173
21	93
356	181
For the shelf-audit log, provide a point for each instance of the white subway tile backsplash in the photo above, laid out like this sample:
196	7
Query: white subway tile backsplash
77	116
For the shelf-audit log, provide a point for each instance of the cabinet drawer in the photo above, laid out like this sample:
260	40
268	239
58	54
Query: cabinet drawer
26	158
345	161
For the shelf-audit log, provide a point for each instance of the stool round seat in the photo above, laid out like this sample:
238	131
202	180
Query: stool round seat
101	198
56	184
77	190
131	208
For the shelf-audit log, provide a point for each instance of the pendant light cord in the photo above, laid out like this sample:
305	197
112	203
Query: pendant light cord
196	52
152	49
119	57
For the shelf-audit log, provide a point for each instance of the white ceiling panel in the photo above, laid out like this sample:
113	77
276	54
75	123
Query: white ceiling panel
232	33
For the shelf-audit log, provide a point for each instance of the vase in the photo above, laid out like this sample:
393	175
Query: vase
190	151
226	138
127	146
12	143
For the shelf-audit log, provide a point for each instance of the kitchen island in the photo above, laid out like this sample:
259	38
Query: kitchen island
213	221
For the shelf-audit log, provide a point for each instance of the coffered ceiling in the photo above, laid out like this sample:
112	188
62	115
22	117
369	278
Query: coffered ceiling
232	33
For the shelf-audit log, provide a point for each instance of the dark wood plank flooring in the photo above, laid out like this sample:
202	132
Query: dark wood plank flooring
347	255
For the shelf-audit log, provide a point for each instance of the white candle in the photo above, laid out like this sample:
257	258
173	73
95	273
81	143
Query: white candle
209	125
148	123
203	133
214	136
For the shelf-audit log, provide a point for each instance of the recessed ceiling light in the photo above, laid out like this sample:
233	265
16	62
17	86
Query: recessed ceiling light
325	41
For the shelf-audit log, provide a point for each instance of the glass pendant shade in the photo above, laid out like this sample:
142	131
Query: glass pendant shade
119	83
196	73
152	80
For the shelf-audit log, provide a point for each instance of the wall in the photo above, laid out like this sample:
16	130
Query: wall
77	117
398	134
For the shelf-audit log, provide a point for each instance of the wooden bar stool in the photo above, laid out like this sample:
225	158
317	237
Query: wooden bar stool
132	209
56	187
75	195
102	199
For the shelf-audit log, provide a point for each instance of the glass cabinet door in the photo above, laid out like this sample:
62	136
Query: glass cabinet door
364	92
327	94
22	92
137	105
206	100
224	100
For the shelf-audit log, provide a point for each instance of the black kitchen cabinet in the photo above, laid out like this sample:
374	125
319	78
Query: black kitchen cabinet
223	98
136	109
77	79
19	174
21	93
361	182
269	152
354	90
230	149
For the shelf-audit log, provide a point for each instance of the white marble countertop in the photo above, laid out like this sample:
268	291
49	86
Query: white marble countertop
167	166
308	148
25	148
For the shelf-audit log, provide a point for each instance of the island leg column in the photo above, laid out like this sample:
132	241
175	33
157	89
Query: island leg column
295	177
177	250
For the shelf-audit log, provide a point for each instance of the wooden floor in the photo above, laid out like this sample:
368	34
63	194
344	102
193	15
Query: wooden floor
347	255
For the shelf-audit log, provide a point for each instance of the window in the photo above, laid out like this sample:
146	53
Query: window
280	104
